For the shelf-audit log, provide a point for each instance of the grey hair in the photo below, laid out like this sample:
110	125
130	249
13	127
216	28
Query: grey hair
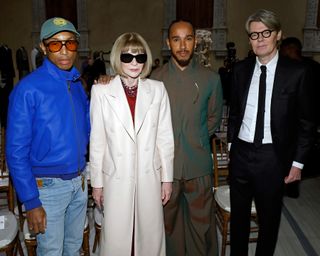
268	18
136	44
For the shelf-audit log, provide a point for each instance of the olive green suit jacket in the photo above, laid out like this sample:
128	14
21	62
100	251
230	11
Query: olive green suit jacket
196	107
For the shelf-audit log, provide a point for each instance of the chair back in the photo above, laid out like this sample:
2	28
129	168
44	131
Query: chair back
6	187
220	161
221	132
2	151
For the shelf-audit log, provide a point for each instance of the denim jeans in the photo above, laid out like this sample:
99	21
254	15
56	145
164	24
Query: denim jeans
65	204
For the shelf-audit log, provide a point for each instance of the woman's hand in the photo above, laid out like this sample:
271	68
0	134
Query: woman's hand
166	190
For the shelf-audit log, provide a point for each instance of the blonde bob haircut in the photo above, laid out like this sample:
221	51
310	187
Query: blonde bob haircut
134	43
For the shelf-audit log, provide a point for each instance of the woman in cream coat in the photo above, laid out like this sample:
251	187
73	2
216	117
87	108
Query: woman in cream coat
131	153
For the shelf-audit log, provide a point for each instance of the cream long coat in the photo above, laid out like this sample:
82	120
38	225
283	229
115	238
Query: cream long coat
130	162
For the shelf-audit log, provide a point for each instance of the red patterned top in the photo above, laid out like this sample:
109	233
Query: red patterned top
131	94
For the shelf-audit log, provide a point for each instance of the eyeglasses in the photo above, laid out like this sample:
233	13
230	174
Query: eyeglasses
127	58
265	34
55	46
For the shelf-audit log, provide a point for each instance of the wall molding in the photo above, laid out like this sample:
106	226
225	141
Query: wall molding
39	16
311	32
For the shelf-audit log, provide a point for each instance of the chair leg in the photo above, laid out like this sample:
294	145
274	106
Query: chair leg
9	252
85	242
21	217
97	237
19	247
11	197
224	235
31	247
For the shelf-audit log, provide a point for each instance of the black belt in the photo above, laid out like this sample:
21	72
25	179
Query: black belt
251	144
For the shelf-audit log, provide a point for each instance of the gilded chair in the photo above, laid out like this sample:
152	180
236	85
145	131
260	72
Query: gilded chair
222	194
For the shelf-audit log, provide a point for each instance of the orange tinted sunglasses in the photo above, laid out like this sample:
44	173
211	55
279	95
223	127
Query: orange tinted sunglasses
55	46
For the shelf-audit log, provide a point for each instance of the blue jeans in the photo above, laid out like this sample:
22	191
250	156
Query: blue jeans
65	204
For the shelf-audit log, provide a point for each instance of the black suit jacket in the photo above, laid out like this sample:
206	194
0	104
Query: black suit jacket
292	110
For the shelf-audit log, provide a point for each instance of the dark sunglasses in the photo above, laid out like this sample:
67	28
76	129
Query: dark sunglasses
55	46
127	58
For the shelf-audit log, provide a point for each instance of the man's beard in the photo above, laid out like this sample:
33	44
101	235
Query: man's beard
183	62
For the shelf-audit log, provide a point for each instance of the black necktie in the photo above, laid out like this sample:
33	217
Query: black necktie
258	136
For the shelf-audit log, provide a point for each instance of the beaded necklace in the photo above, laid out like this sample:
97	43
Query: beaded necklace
131	91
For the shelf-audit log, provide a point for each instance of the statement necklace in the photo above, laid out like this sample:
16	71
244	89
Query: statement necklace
131	91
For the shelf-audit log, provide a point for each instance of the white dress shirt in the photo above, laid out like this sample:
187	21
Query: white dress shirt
247	129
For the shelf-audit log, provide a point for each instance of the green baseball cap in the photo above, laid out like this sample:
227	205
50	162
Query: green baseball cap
55	25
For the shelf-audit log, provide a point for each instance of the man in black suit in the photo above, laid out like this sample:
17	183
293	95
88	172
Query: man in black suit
292	48
270	130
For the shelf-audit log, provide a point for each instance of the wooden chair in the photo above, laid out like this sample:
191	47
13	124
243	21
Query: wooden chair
6	188
20	213
91	203
98	217
222	194
9	234
221	132
31	242
97	213
220	161
86	237
2	148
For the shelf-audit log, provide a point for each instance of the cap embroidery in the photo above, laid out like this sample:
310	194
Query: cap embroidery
59	22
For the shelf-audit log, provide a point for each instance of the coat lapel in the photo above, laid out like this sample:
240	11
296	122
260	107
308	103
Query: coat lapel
119	104
247	77
143	103
281	74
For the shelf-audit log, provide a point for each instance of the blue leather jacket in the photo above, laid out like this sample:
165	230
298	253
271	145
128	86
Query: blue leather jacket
48	129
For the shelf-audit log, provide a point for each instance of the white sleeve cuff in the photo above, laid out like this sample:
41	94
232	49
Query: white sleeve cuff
298	165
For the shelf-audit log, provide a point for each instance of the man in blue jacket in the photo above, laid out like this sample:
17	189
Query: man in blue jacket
47	137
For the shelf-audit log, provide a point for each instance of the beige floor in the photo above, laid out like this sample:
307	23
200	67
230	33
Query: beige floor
299	233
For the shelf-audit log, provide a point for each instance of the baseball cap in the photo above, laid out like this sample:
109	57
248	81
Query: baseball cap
55	25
